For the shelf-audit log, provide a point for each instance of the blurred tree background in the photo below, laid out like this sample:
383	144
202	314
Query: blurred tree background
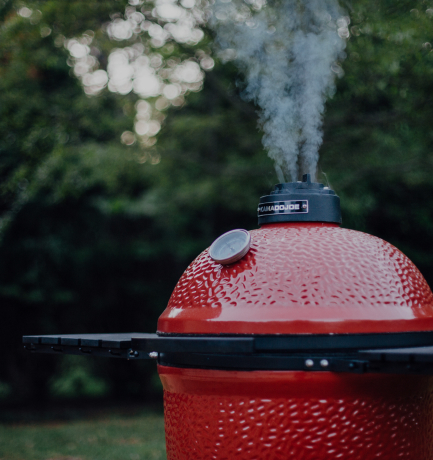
125	149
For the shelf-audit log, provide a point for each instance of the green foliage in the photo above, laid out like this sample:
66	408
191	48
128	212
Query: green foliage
5	390
76	380
378	139
41	107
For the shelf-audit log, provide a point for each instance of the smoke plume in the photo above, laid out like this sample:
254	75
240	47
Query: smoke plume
289	52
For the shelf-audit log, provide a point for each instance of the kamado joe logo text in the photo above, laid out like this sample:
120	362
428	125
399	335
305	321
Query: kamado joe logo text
282	207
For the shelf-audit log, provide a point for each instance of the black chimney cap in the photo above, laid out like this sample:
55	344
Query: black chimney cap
304	201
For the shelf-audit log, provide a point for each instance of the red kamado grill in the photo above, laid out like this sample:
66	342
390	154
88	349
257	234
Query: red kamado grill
298	340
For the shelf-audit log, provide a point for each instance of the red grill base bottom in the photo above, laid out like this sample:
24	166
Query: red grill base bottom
258	415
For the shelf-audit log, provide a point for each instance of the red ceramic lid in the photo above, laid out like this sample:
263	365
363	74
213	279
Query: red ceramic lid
302	278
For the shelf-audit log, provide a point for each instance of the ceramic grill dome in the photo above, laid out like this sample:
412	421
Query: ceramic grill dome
303	278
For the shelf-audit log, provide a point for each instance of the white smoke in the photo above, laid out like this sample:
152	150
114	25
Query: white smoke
288	50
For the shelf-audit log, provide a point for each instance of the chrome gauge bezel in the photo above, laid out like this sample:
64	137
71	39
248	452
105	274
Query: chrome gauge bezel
215	249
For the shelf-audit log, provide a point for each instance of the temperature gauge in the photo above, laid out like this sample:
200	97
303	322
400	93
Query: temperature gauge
230	247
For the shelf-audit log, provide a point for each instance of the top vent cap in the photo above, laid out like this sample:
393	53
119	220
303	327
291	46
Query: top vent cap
304	201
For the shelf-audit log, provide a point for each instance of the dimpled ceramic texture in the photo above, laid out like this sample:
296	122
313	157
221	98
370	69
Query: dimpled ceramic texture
225	415
302	278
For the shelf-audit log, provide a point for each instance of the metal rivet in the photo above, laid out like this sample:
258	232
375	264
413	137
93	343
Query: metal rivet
309	363
324	363
153	355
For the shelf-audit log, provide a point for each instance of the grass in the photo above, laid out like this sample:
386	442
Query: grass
108	438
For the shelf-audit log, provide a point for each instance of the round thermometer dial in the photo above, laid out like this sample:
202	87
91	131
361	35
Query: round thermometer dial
230	247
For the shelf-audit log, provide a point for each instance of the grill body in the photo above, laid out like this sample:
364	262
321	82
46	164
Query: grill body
299	278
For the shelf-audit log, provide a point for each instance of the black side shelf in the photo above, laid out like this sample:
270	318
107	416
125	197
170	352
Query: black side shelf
103	345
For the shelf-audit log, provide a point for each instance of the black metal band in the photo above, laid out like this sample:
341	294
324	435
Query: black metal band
283	343
418	362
